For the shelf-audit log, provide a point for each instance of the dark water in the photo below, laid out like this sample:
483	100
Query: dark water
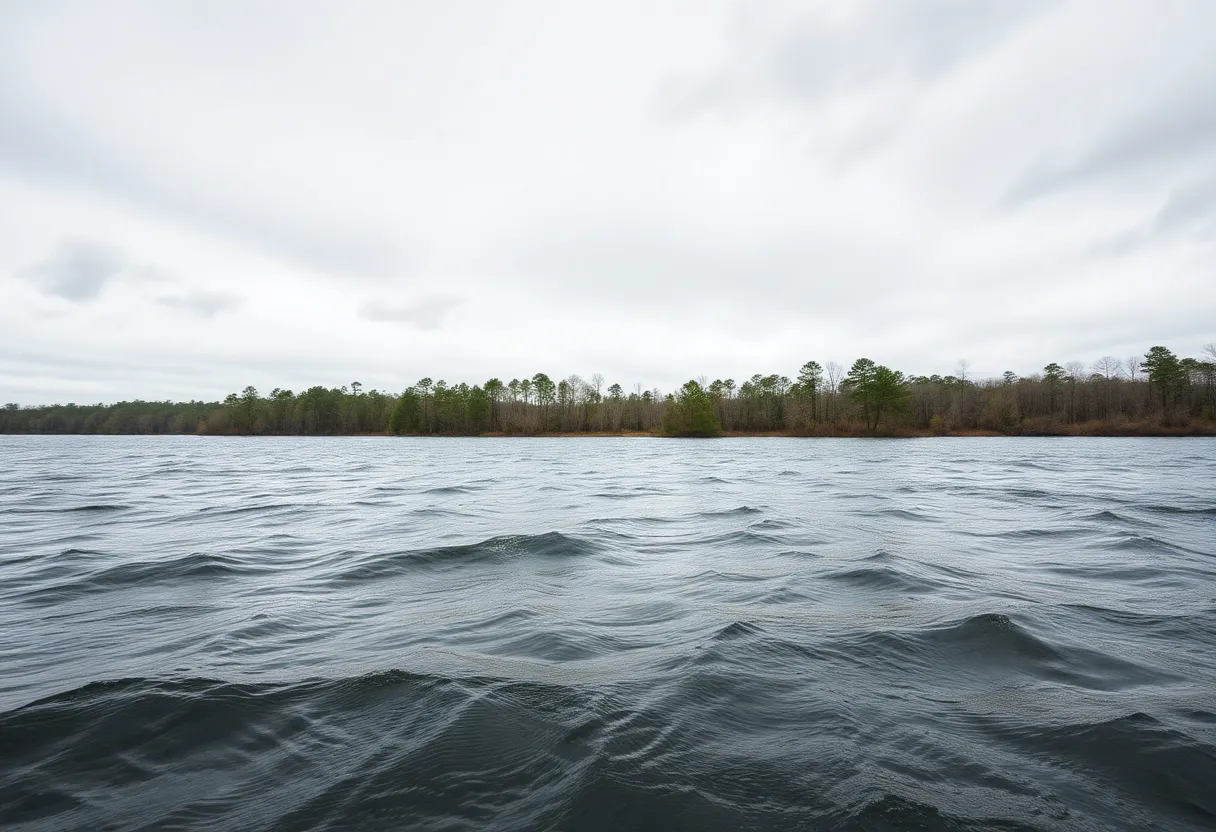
607	634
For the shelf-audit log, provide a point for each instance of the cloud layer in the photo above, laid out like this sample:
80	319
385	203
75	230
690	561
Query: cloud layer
77	270
200	198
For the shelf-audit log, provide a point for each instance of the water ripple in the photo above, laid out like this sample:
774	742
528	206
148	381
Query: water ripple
285	634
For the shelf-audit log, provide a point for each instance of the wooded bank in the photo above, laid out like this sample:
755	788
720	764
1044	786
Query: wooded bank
1157	394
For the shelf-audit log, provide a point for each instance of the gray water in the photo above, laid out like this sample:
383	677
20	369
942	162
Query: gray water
366	633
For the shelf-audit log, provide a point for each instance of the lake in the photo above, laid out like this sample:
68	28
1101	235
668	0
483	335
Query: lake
607	633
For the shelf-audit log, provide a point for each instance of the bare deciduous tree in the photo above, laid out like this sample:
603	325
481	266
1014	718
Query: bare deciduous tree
1132	365
1109	367
835	374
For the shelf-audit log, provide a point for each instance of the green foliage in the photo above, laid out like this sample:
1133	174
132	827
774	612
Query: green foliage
478	407
407	415
691	413
1053	375
1165	371
877	389
1180	396
810	380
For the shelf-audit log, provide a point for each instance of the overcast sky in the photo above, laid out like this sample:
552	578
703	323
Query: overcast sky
199	196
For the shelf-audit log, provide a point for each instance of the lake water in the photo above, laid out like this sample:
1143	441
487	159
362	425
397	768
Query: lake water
520	634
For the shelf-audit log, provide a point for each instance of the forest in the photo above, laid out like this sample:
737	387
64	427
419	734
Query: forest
1158	393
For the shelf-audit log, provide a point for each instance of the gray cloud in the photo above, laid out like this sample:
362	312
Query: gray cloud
1189	205
426	314
804	54
1171	136
1189	213
43	147
77	270
201	302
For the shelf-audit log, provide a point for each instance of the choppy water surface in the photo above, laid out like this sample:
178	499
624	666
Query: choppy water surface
582	634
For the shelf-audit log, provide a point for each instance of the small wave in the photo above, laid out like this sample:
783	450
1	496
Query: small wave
1177	627
1147	544
732	512
558	645
749	537
74	552
893	812
1030	493
994	631
1137	750
1029	465
450	490
799	553
1147	573
84	509
634	521
995	642
737	629
1181	510
192	567
785	595
623	493
134	692
712	575
1032	534
772	524
883	578
900	514
1107	516
502	549
432	513
224	511
988	638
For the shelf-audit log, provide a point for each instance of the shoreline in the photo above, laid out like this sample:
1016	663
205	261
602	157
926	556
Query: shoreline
1189	431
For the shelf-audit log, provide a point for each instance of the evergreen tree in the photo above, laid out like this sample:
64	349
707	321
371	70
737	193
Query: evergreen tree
691	413
877	389
810	379
406	415
1053	375
1165	371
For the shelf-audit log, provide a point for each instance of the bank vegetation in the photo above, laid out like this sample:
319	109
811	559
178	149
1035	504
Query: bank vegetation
1158	393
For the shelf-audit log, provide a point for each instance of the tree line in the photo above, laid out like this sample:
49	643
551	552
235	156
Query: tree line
1158	392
